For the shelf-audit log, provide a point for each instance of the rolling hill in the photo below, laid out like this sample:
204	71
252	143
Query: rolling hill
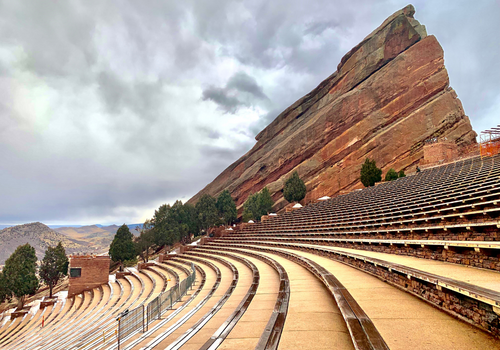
40	237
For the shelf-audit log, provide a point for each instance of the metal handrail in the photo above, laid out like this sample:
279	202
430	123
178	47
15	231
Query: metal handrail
129	322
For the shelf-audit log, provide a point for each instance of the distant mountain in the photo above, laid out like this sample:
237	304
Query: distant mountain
130	226
96	236
40	237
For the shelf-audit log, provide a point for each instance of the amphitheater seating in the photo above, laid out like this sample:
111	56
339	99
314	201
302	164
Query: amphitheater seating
411	263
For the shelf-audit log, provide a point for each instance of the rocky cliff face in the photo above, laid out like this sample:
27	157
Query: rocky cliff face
389	94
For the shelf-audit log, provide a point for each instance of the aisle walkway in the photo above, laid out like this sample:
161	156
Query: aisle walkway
404	321
248	330
484	278
313	320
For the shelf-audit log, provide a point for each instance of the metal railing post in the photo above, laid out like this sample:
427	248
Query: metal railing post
118	333
143	327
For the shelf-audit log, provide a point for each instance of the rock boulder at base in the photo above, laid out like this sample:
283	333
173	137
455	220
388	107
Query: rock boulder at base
389	94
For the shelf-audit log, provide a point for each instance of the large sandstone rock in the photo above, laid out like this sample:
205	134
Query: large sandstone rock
389	94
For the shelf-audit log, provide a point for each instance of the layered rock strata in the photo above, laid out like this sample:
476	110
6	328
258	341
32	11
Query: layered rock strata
388	96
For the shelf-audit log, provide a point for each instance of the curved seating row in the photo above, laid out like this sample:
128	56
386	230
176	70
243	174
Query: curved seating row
318	257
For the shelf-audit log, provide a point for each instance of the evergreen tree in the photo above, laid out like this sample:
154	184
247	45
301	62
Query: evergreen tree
4	292
370	174
172	224
295	188
265	202
162	234
122	248
257	204
54	266
251	210
145	241
226	207
391	175
192	218
19	273
401	173
178	222
207	211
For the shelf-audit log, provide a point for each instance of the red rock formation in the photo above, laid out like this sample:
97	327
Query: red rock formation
389	94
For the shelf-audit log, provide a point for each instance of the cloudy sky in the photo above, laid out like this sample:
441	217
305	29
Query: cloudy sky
110	108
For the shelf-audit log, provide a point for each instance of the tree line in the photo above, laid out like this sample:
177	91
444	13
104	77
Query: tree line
171	224
21	275
175	223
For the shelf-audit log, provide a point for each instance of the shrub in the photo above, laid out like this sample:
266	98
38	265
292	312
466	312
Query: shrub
391	175
130	262
401	173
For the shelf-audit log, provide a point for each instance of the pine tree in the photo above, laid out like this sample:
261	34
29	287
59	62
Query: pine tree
295	189
161	229
145	241
54	266
122	248
19	273
265	202
192	218
179	228
4	292
226	207
172	224
257	204
391	175
207	211
251	210
370	174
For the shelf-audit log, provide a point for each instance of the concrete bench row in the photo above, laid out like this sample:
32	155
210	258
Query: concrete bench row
477	305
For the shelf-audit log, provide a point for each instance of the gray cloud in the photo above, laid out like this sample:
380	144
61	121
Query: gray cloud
242	82
221	97
111	108
240	90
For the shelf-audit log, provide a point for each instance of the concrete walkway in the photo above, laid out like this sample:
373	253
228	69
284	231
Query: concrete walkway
404	321
313	320
247	332
244	282
479	277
